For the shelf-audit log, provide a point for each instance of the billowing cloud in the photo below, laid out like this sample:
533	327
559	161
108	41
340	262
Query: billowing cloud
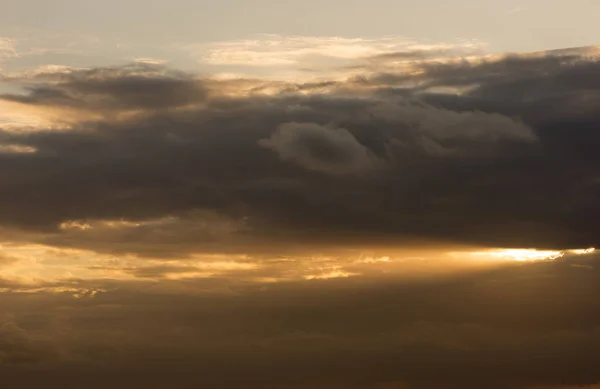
507	162
315	147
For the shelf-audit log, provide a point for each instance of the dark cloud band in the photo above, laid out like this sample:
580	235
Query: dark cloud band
510	162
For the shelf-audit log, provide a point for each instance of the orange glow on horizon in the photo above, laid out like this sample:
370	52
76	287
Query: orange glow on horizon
528	254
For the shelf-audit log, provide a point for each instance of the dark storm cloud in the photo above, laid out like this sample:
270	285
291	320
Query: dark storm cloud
521	326
512	162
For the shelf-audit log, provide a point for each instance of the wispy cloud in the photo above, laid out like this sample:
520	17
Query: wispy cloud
7	48
150	61
278	50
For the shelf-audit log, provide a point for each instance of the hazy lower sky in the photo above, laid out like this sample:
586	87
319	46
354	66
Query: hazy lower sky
299	195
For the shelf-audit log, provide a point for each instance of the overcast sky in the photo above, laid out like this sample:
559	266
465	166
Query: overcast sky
87	33
299	195
506	25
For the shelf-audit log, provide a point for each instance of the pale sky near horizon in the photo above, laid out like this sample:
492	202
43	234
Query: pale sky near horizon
86	33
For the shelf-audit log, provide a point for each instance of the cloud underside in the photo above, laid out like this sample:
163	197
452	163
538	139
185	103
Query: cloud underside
509	161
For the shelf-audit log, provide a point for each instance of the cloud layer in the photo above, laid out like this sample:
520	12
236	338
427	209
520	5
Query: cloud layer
159	227
507	162
522	326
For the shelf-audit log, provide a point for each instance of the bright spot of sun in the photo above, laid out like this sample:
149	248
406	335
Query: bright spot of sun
528	254
521	254
582	251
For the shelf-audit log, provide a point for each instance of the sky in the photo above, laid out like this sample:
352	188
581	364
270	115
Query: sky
299	195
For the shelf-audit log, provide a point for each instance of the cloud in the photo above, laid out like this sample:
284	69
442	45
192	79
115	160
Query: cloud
139	86
6	260
7	48
277	50
315	58
151	61
534	320
18	347
315	147
264	234
16	149
507	162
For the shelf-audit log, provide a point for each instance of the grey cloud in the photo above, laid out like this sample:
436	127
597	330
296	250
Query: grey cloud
330	150
486	167
137	86
416	55
510	162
